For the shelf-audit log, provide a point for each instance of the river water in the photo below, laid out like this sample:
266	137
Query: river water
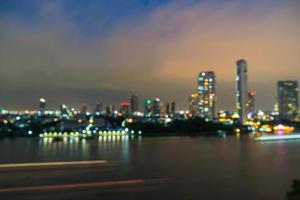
193	167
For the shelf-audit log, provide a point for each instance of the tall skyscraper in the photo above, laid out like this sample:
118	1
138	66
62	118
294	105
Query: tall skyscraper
288	99
207	94
156	106
42	106
193	104
134	103
242	90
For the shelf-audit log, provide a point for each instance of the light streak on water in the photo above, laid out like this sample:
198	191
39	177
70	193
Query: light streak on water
49	164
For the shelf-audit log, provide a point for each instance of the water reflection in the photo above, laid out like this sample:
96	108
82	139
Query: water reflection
196	162
102	147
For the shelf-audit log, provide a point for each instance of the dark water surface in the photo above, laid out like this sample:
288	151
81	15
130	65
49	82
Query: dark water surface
173	168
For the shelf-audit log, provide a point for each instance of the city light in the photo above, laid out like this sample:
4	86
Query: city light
182	99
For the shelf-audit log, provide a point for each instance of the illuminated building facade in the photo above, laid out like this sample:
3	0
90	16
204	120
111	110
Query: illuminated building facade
42	106
288	99
156	106
193	104
134	103
124	108
148	106
63	111
242	90
251	102
207	94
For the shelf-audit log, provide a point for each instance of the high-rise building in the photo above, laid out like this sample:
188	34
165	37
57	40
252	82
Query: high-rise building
193	104
242	90
124	108
148	106
84	109
173	107
251	102
98	108
170	107
110	109
134	103
156	106
207	94
288	99
63	111
42	106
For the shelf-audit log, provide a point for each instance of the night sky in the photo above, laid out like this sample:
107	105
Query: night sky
73	52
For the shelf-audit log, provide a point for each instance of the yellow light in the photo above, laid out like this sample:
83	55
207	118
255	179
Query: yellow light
235	116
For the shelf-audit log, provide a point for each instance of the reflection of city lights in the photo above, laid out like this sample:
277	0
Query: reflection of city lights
281	127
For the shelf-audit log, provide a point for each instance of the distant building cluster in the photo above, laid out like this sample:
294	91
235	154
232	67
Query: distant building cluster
201	104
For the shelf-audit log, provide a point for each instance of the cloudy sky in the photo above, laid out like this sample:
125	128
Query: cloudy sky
73	52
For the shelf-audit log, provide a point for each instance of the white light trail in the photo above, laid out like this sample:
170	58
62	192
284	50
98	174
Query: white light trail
278	137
